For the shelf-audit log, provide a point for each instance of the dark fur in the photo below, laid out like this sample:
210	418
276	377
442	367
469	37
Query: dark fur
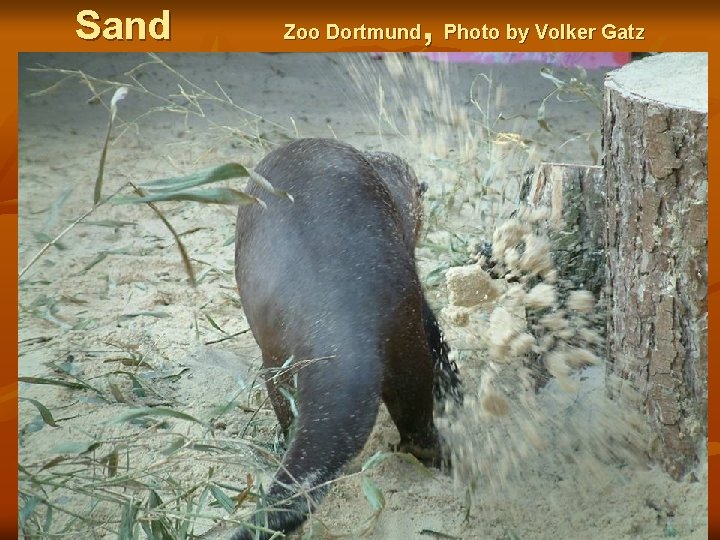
330	280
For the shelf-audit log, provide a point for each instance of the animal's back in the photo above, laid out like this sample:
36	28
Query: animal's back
341	236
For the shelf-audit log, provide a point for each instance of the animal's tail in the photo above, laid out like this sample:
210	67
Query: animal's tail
446	384
332	428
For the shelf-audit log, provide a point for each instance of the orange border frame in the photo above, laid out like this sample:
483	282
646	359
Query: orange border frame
45	26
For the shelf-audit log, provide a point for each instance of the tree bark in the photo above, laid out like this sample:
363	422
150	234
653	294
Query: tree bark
655	144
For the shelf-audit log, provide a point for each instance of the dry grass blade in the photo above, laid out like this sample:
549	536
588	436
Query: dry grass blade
548	74
225	338
574	86
120	93
542	122
176	236
265	184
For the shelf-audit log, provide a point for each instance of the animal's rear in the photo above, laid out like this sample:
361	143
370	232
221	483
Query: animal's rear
330	281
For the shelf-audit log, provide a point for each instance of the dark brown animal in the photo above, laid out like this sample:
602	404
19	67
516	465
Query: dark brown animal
329	280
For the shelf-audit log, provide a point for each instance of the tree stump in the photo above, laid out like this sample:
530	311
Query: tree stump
575	196
576	230
656	156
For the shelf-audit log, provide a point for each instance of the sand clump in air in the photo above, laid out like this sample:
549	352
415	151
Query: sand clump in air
539	409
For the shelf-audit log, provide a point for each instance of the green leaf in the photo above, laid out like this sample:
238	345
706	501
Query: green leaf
174	447
128	521
157	314
97	260
47	239
48	518
198	178
27	510
154	499
156	528
56	207
205	196
138	389
155	411
101	257
373	494
222	498
130	362
44	411
230	240
56	382
436	275
213	323
375	459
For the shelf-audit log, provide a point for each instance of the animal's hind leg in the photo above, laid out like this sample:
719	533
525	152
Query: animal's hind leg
274	381
408	390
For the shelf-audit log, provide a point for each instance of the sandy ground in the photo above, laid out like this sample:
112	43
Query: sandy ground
109	308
